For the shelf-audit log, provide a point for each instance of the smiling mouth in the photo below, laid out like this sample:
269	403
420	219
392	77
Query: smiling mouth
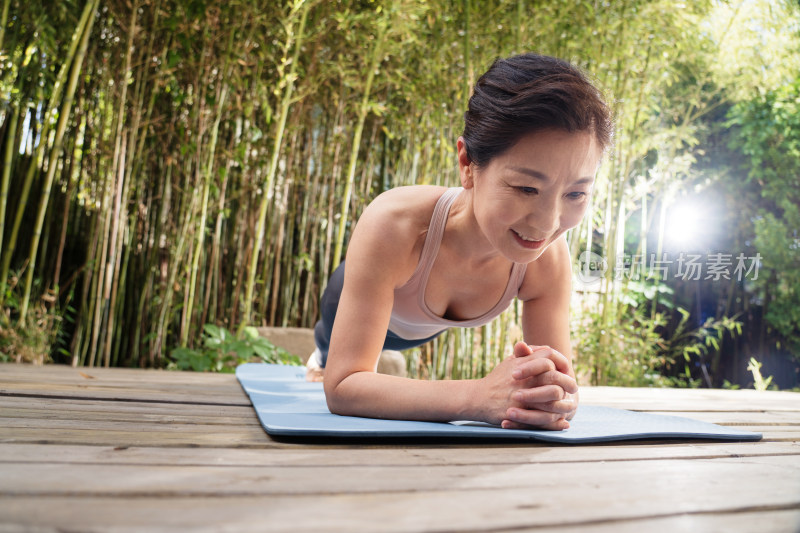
527	242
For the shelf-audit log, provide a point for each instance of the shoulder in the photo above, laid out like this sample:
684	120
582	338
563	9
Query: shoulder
404	203
400	213
550	274
391	231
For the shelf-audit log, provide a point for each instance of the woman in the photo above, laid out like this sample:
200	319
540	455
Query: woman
422	258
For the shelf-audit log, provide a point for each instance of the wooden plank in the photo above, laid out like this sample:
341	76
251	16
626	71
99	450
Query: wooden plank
143	426
141	393
9	387
117	374
26	383
45	417
402	499
254	437
745	418
136	395
772	430
757	480
780	436
762	521
120	384
703	400
75	407
343	455
261	514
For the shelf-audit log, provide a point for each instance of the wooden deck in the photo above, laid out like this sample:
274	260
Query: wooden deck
130	450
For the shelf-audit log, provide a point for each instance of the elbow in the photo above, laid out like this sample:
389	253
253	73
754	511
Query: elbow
335	399
340	395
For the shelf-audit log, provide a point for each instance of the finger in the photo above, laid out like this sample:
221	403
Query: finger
574	399
555	426
561	361
561	407
540	373
534	419
538	395
566	406
527	368
564	381
521	349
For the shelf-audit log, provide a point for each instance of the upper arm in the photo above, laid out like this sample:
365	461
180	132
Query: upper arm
546	299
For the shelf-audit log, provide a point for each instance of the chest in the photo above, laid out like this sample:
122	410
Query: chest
457	291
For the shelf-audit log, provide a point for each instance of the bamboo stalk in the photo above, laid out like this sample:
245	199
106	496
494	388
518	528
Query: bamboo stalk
325	260
55	97
200	232
66	107
8	162
78	347
72	184
112	266
293	41
209	304
165	268
467	45
4	21
375	58
121	195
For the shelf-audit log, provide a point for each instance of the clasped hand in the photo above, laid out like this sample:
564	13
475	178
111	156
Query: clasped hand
532	390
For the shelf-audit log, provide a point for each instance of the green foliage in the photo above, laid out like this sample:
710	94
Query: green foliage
685	346
759	383
730	386
622	352
636	349
222	351
34	341
766	130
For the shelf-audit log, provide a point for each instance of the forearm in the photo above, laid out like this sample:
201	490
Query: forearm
373	395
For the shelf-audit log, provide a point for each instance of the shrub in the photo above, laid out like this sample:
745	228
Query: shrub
222	351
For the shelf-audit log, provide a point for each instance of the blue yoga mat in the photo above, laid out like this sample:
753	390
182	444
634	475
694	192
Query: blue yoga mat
288	405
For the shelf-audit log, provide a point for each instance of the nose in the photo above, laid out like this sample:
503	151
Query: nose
544	218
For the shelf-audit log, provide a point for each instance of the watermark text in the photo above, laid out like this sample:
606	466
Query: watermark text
686	266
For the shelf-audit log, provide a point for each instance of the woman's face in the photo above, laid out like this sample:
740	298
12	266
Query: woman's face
527	197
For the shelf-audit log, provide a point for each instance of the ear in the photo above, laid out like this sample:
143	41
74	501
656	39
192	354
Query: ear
466	170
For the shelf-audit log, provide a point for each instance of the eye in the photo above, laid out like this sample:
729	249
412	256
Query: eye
576	195
528	190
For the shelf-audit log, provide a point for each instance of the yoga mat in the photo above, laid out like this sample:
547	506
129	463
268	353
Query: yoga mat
288	405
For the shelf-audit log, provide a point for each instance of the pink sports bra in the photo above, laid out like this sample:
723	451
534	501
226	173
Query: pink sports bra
411	317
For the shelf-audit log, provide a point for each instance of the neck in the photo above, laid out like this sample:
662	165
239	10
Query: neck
463	237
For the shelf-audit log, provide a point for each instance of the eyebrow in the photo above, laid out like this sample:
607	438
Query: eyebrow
543	177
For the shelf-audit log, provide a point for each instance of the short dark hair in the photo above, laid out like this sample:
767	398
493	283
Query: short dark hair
527	93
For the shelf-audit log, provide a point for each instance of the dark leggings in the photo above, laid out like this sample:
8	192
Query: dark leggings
328	306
